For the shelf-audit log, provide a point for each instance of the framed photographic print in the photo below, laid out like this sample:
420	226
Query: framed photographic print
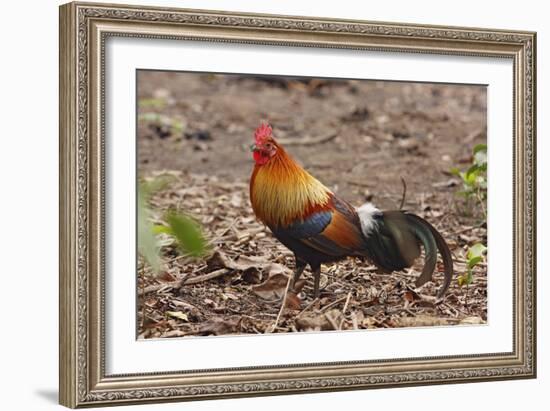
260	204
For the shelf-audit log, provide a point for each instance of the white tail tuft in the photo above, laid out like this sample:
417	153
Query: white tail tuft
367	213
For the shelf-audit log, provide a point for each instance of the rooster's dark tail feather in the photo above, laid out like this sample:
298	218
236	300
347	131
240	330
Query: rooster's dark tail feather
431	239
394	244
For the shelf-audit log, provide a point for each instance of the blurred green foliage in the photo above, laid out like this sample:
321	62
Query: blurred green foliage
186	232
148	246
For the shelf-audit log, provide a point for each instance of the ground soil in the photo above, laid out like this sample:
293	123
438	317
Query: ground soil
373	134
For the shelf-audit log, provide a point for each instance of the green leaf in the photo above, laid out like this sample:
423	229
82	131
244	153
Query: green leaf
480	154
471	180
162	229
166	241
465	279
462	279
476	250
480	158
455	171
187	233
472	262
474	179
471	174
483	167
480	148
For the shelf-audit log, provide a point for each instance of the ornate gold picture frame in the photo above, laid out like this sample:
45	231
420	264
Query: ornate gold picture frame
84	30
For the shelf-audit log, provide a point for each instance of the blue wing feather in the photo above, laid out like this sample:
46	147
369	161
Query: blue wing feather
305	237
310	226
310	239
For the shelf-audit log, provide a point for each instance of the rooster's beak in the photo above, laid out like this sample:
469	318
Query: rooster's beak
253	147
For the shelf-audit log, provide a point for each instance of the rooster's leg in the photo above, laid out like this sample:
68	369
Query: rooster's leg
300	267
316	280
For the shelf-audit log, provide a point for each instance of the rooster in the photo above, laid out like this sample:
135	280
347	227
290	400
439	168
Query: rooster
319	227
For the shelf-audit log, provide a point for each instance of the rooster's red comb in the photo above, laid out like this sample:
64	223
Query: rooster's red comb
262	132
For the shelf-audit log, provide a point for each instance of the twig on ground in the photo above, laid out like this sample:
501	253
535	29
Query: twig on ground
346	304
332	304
184	281
404	193
283	303
224	231
206	277
308	307
344	310
331	321
157	287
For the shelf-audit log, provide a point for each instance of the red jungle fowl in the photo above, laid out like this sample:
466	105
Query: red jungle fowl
319	227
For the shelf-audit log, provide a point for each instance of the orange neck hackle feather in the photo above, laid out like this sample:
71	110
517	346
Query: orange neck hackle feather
282	192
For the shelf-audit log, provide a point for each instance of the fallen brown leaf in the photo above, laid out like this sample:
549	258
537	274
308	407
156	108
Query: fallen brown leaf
220	326
166	277
180	315
293	301
273	288
411	295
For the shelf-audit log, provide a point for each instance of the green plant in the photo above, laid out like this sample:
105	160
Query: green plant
185	231
474	256
474	179
474	187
